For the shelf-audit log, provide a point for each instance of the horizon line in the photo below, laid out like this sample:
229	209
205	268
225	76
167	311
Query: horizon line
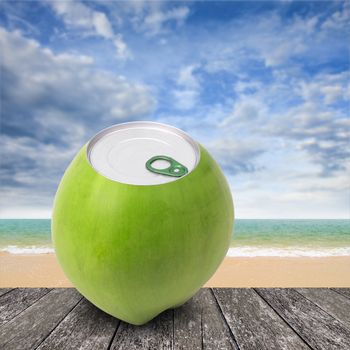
238	218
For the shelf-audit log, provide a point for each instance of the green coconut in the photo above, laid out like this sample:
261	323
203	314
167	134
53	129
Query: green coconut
135	250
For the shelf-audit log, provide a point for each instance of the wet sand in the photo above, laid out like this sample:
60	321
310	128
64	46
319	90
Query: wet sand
42	270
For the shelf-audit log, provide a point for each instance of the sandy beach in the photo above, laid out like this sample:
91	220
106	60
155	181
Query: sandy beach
43	270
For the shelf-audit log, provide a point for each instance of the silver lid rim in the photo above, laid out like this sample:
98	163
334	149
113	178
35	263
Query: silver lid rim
120	126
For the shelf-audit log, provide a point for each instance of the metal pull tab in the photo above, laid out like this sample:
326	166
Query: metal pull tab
175	169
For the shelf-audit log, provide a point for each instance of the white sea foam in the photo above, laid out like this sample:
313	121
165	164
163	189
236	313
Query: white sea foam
14	249
253	251
244	251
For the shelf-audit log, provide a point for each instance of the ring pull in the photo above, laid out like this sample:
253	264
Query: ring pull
175	169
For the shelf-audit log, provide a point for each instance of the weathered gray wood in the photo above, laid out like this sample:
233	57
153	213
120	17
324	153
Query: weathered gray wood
188	324
5	290
156	334
29	328
254	324
218	319
330	301
85	327
216	333
11	304
343	291
199	324
315	326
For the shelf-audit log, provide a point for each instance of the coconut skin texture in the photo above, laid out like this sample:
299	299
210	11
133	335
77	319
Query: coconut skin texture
135	251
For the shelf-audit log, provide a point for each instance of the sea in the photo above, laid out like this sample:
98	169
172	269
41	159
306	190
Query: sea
250	238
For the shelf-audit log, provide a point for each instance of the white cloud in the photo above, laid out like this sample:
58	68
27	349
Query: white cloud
294	41
147	17
328	88
71	81
316	128
235	155
278	42
339	19
77	15
122	51
156	19
289	186
25	212
187	77
267	39
186	96
31	170
74	13
102	25
284	140
153	18
51	105
176	14
247	109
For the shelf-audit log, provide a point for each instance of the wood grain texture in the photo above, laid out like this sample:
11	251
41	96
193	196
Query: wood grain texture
314	325
254	324
330	301
156	334
5	290
216	332
217	319
29	328
343	291
13	303
199	324
188	324
85	327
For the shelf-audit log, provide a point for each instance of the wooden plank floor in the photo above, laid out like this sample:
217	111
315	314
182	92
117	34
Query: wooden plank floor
219	318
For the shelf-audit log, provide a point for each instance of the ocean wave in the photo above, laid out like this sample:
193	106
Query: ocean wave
14	249
253	251
244	251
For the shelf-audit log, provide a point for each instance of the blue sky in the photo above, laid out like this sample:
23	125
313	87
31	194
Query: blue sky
264	86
